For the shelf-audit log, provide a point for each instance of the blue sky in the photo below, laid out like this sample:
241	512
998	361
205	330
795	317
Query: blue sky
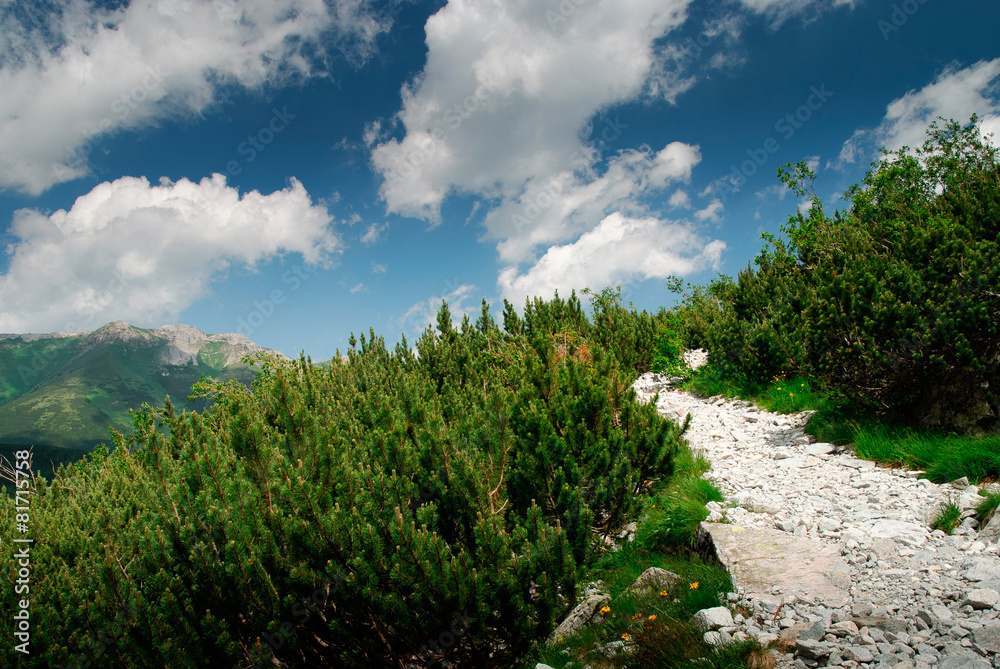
296	170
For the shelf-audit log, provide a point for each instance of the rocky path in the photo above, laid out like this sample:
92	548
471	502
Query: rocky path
910	598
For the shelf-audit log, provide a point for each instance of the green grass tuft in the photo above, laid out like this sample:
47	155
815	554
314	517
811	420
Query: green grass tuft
947	518
987	507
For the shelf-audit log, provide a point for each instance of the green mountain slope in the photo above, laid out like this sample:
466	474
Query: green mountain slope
67	390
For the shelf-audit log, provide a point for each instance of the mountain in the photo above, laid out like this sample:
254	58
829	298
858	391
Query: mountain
63	390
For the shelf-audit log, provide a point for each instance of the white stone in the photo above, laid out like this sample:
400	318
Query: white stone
713	618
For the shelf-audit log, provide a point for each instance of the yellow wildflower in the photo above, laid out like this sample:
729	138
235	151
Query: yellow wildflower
652	617
625	636
637	616
663	593
605	610
694	586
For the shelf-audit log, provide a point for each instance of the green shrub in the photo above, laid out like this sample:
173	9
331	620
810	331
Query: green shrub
669	348
351	514
890	304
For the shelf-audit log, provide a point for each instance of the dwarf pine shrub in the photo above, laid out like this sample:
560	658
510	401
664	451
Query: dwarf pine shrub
891	304
399	508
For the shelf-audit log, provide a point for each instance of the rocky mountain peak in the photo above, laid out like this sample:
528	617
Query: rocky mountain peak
118	332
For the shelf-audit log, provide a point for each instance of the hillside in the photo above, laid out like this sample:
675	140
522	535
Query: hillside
64	390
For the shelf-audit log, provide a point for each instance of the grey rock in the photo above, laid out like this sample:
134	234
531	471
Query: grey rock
811	649
820	448
713	638
963	660
886	624
982	569
858	654
579	617
760	559
992	530
713	618
984	598
542	666
654	580
814	632
935	614
910	534
988	637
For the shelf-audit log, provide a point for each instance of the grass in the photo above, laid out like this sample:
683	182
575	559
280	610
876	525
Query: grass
987	507
947	518
657	625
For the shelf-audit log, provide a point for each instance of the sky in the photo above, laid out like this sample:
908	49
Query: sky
298	170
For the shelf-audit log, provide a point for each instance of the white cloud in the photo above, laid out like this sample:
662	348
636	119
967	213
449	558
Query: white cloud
93	71
504	97
425	312
956	93
515	107
713	212
132	251
680	198
379	268
779	11
373	233
359	288
568	204
619	250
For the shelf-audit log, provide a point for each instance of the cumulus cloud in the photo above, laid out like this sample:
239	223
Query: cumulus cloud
133	251
956	93
82	71
506	93
619	250
359	288
516	108
562	207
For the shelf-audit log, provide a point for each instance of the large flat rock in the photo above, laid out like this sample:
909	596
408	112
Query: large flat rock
759	559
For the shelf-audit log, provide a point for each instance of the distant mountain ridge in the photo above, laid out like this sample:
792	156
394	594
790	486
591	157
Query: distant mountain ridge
65	389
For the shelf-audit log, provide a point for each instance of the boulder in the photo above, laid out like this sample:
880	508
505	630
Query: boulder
653	581
579	617
712	619
979	599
